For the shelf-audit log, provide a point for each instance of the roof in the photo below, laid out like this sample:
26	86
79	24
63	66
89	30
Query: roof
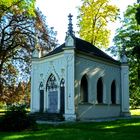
85	47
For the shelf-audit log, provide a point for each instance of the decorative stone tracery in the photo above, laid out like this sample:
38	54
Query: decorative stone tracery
51	83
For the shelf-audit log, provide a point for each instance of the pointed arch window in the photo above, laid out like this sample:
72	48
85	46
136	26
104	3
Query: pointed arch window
113	92
100	90
84	89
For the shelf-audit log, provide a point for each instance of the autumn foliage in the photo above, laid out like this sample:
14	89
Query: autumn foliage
93	19
21	26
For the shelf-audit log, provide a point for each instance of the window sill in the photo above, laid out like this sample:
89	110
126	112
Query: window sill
101	104
114	104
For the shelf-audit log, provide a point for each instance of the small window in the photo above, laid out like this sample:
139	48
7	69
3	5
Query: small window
113	92
100	91
84	89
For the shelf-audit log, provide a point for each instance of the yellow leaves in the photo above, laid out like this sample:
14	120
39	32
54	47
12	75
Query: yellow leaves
12	69
93	21
19	6
6	2
28	6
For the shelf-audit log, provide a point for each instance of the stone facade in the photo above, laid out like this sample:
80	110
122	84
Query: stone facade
95	69
101	76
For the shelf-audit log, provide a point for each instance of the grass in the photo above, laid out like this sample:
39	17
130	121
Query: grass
113	130
135	112
2	112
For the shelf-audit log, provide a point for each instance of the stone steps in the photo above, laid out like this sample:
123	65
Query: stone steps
47	116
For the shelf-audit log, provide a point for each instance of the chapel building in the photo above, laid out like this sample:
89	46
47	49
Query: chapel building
79	81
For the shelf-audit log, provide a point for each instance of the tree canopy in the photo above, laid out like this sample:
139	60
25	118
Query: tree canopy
17	7
20	23
128	36
93	19
138	13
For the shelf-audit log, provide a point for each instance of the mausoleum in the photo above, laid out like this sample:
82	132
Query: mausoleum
79	81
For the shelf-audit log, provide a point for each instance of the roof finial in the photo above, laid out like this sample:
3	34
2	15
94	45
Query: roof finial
70	28
123	53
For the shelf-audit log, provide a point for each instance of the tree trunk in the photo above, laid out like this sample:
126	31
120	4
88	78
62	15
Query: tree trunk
1	83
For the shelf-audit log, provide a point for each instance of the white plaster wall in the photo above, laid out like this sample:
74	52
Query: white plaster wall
89	111
41	70
125	89
94	69
34	89
69	56
61	66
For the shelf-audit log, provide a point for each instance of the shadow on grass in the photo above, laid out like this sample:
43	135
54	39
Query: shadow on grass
114	130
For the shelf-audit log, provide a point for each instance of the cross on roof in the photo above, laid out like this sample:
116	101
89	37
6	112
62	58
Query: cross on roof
70	25
70	17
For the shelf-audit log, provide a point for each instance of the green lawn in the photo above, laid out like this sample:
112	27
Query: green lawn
113	130
135	112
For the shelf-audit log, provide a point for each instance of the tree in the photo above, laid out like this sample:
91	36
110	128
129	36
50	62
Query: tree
138	13
46	35
128	36
12	12
18	29
17	6
93	21
17	94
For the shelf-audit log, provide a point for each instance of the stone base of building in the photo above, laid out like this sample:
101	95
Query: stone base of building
70	117
126	114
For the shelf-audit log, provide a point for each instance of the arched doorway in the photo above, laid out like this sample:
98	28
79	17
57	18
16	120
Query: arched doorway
100	91
41	97
52	90
113	92
62	96
84	89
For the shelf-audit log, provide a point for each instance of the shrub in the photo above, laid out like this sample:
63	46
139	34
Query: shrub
16	119
135	99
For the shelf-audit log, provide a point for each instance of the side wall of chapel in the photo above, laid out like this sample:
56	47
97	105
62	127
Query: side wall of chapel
95	69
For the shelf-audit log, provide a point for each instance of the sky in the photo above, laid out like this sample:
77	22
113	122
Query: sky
56	12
